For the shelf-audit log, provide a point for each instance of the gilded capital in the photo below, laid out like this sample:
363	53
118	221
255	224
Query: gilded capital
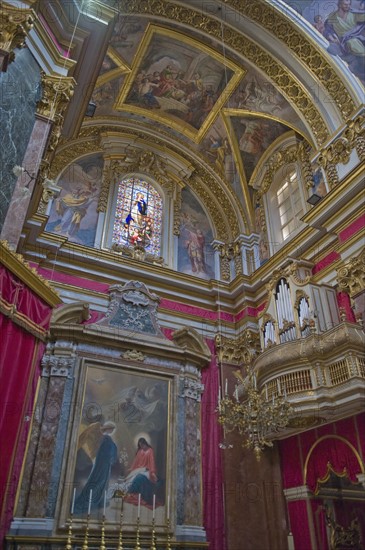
351	276
240	351
56	94
15	24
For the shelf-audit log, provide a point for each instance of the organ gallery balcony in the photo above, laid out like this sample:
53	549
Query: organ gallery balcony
322	375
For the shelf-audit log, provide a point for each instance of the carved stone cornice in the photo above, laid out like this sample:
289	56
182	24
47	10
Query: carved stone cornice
351	276
55	365
56	94
355	135
191	388
15	24
290	87
240	351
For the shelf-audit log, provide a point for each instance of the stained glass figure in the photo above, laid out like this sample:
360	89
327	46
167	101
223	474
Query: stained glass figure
138	216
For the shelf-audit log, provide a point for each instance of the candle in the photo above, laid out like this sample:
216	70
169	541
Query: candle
90	499
104	502
266	393
153	506
236	393
139	505
226	387
278	385
254	382
168	507
73	502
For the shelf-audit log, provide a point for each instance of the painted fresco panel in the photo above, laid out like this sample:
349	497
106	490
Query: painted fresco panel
176	78
342	24
74	213
256	93
195	253
254	135
122	445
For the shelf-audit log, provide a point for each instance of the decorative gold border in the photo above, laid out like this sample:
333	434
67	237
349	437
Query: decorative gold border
181	126
121	69
20	268
322	438
292	90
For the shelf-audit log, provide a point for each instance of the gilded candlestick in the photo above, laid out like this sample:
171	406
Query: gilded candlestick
137	546
153	539
86	538
69	536
120	541
102	542
168	543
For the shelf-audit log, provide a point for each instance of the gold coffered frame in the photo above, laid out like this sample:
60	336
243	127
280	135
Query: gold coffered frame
179	125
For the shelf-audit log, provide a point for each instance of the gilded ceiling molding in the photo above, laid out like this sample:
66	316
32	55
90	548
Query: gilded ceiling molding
200	181
351	276
354	133
339	152
173	146
291	88
309	53
292	154
15	24
73	151
240	351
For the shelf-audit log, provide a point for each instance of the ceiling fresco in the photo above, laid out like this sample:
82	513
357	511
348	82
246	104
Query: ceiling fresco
199	95
340	28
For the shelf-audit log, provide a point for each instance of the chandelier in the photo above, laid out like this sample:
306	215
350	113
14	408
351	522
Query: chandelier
255	416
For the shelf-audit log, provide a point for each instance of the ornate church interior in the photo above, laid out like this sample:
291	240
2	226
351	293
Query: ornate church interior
182	274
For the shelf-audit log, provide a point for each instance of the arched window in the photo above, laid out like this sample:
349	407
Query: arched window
290	204
285	206
138	215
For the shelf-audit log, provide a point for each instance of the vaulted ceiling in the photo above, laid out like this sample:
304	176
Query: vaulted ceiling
210	88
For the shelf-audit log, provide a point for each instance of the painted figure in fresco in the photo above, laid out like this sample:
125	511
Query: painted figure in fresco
72	208
98	480
142	478
345	30
195	247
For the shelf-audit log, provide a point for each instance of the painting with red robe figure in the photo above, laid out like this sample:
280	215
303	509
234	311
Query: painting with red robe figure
122	447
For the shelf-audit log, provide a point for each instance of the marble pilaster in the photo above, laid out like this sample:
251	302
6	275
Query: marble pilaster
189	498
44	483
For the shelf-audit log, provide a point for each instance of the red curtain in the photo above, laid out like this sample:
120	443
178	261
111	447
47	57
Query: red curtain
212	459
331	453
19	372
299	524
213	505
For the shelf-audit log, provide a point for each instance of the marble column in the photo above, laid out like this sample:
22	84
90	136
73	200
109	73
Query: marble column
56	93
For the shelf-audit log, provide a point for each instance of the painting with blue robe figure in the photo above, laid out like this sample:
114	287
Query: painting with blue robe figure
121	446
74	212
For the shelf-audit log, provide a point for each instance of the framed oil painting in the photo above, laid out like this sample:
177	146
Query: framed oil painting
179	82
122	449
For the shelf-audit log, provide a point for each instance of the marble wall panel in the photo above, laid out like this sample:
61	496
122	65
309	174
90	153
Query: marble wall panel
19	92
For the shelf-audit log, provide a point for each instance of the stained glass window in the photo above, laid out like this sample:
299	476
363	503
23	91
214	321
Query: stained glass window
138	216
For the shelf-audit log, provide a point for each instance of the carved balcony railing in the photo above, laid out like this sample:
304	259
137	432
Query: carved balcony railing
323	375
